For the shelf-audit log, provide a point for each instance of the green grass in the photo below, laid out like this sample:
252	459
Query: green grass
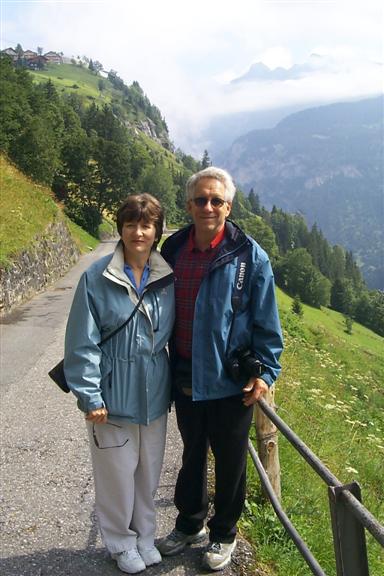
27	209
67	76
84	241
330	393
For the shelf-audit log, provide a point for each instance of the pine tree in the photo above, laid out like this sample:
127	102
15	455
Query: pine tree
206	161
297	307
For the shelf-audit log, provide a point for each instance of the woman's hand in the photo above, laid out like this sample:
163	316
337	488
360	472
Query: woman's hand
98	416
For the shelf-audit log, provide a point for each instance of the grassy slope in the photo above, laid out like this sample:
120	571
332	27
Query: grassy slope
26	210
66	76
330	393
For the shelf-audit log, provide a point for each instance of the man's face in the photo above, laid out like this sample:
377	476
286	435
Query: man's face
209	217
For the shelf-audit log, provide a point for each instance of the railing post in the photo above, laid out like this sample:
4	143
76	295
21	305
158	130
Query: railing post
348	533
267	446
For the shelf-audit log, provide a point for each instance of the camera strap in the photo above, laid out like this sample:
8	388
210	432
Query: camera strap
238	290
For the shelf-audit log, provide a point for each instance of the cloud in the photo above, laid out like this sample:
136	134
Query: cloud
184	54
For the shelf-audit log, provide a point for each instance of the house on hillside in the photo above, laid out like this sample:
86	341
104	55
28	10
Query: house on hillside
28	54
11	53
53	57
37	63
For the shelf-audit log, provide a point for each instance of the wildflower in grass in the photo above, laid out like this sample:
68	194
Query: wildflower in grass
329	407
351	470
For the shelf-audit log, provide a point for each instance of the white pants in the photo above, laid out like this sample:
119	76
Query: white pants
126	466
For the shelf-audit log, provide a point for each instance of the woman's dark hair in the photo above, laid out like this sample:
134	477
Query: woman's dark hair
141	207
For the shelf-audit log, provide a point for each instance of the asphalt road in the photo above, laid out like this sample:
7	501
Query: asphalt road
48	525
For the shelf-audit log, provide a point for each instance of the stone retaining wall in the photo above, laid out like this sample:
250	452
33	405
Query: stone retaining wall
49	258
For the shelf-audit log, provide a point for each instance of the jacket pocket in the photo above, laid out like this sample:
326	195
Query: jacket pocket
106	373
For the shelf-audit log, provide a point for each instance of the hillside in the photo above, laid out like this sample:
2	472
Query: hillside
330	393
93	140
27	209
129	102
325	163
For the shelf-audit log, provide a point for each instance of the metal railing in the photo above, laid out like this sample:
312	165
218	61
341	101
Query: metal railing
348	515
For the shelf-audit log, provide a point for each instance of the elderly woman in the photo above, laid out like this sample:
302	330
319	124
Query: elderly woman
123	384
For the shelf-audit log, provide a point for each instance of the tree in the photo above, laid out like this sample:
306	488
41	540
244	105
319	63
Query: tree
297	307
377	311
97	66
40	50
262	233
35	151
348	322
298	276
342	296
101	85
19	50
254	201
206	161
283	229
240	207
15	105
157	180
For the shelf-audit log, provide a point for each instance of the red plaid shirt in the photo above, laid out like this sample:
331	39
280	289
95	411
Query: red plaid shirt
191	266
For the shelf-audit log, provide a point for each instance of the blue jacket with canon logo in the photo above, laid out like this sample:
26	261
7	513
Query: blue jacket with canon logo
256	325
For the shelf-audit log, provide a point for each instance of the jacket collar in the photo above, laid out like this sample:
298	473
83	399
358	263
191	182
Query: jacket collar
234	240
160	271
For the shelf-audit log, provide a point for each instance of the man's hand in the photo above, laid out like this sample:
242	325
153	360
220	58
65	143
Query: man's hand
98	416
255	388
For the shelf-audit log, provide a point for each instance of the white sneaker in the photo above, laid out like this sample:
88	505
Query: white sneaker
150	555
218	555
129	561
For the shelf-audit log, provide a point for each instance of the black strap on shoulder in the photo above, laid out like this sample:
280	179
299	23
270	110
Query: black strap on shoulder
238	290
241	270
125	323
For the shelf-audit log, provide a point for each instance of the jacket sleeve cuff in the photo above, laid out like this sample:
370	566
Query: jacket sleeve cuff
267	379
95	403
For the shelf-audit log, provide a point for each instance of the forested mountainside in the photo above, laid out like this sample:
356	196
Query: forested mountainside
92	140
325	163
92	154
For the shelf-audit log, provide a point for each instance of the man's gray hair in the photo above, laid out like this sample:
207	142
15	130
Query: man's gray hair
216	173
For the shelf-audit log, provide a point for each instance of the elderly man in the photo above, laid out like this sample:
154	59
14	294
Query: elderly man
225	353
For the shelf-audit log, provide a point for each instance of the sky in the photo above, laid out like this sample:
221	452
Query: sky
184	54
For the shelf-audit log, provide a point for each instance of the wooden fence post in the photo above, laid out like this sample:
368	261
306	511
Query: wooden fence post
267	446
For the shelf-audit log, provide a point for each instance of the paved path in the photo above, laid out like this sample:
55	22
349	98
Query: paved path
47	518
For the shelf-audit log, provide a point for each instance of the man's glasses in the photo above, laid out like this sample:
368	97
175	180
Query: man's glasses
97	443
202	201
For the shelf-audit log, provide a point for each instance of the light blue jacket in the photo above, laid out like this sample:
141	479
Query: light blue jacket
256	326
129	374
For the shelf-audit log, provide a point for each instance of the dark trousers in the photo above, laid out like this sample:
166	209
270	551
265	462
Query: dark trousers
224	426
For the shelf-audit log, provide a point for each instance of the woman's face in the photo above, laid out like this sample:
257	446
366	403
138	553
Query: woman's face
138	237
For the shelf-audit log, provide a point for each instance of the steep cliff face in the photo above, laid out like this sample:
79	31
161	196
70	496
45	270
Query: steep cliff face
326	163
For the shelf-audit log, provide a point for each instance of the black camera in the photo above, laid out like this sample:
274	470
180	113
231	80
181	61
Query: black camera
242	365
